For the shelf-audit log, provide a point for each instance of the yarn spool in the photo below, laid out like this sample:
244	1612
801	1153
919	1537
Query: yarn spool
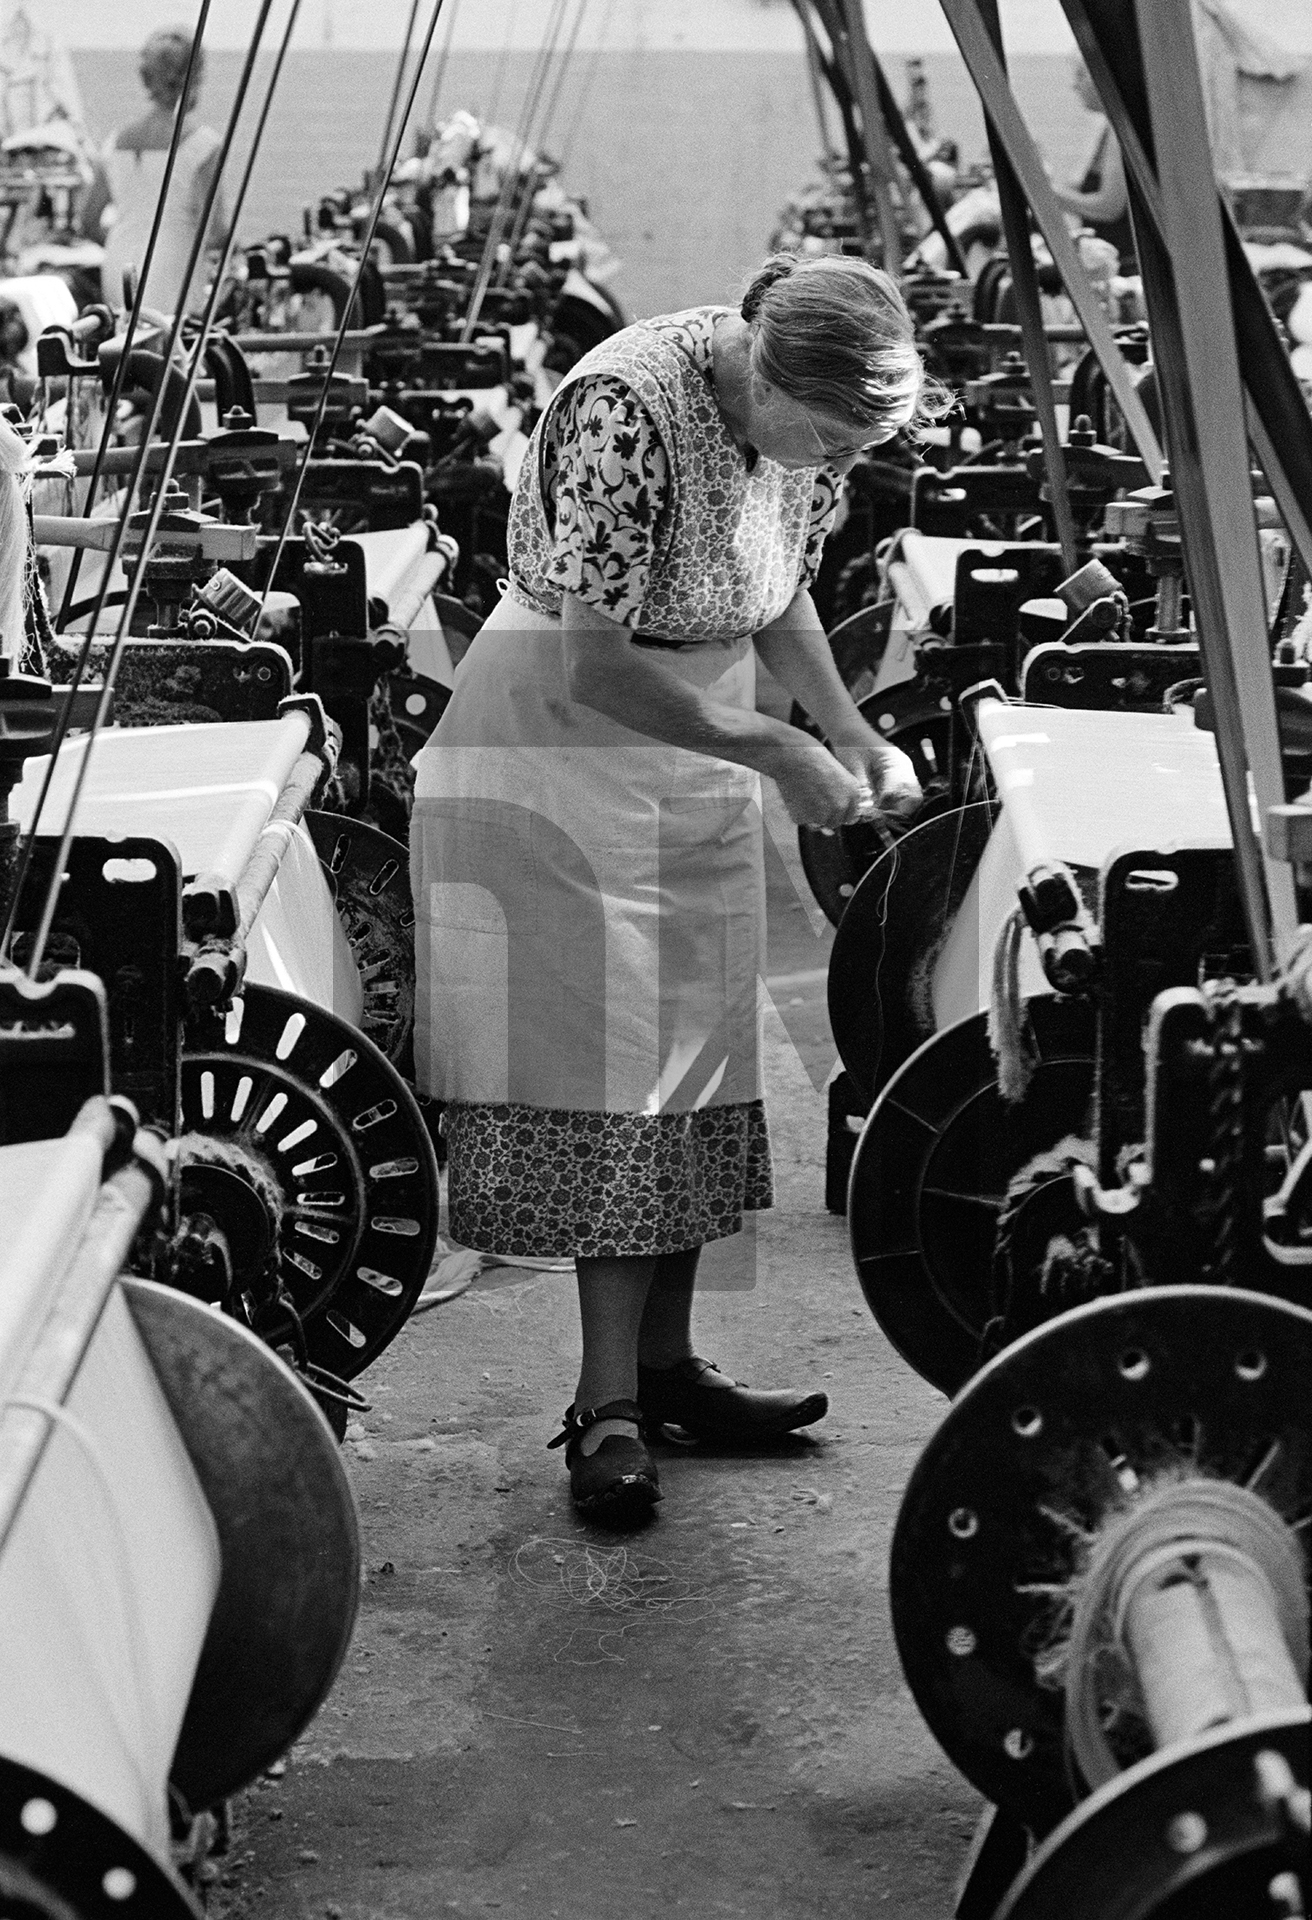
1097	1583
1200	1591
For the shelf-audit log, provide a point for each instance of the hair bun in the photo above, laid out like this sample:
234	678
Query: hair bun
778	267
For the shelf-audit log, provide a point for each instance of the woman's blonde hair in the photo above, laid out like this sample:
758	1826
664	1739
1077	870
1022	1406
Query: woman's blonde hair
162	65
833	333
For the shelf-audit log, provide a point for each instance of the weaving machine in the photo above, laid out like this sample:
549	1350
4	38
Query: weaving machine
179	1553
305	1190
1020	931
1080	1002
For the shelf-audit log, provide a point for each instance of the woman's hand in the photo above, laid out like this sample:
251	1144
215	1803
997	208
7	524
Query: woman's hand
818	790
882	767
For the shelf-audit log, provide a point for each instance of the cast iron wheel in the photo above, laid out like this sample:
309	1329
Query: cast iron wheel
370	875
881	963
931	1173
62	1859
299	1116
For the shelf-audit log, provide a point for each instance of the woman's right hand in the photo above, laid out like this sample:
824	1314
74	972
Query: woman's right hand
817	789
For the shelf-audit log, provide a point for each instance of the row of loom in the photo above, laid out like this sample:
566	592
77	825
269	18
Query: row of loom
243	553
1070	1130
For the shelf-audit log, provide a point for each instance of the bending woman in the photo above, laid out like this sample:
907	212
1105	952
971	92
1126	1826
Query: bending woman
586	842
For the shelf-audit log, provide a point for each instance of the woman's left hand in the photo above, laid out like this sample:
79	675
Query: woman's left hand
886	769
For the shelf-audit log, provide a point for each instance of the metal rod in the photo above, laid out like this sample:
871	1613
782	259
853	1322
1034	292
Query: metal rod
589	81
1278	416
23	864
396	85
816	74
840	83
365	245
496	227
1199	369
915	166
525	207
120	639
990	80
134	314
435	91
851	29
1025	282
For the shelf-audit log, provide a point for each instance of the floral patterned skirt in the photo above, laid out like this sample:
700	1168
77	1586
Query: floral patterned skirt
550	1183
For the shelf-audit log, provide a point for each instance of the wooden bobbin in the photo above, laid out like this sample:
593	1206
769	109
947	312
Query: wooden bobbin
1207	1646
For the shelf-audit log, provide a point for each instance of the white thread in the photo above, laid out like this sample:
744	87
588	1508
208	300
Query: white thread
1010	1036
134	1625
1173	1520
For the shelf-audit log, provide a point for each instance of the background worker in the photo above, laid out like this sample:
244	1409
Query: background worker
122	199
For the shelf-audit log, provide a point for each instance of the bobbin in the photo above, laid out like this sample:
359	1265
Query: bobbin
1044	1445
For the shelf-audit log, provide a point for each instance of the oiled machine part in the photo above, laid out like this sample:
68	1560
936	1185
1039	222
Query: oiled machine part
274	1481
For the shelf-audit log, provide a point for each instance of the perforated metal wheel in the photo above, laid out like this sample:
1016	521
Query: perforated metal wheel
325	1167
1183	1836
1037	1449
930	1176
882	960
370	875
62	1859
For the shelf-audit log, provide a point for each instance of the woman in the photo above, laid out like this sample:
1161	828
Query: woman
130	175
1101	200
586	842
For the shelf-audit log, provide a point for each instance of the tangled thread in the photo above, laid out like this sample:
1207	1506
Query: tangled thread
1084	1655
619	1588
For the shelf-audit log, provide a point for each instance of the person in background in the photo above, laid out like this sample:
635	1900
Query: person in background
1101	200
122	198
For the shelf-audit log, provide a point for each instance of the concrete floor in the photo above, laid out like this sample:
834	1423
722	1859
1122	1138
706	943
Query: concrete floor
704	1718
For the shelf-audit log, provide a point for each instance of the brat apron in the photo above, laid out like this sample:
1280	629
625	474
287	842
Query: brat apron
589	901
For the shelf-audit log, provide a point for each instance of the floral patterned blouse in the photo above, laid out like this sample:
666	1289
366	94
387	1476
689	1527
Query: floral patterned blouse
606	486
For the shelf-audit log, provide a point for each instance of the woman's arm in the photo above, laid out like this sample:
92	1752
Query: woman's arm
1109	201
795	649
607	673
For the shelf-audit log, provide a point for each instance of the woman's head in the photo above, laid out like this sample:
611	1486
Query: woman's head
832	347
163	67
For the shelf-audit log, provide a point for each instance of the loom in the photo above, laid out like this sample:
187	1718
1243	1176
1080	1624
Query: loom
200	888
1099	1594
979	924
179	1552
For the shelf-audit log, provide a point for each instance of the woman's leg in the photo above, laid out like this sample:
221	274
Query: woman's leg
612	1298
665	1335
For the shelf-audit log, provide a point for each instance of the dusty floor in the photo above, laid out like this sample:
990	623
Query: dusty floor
705	1718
